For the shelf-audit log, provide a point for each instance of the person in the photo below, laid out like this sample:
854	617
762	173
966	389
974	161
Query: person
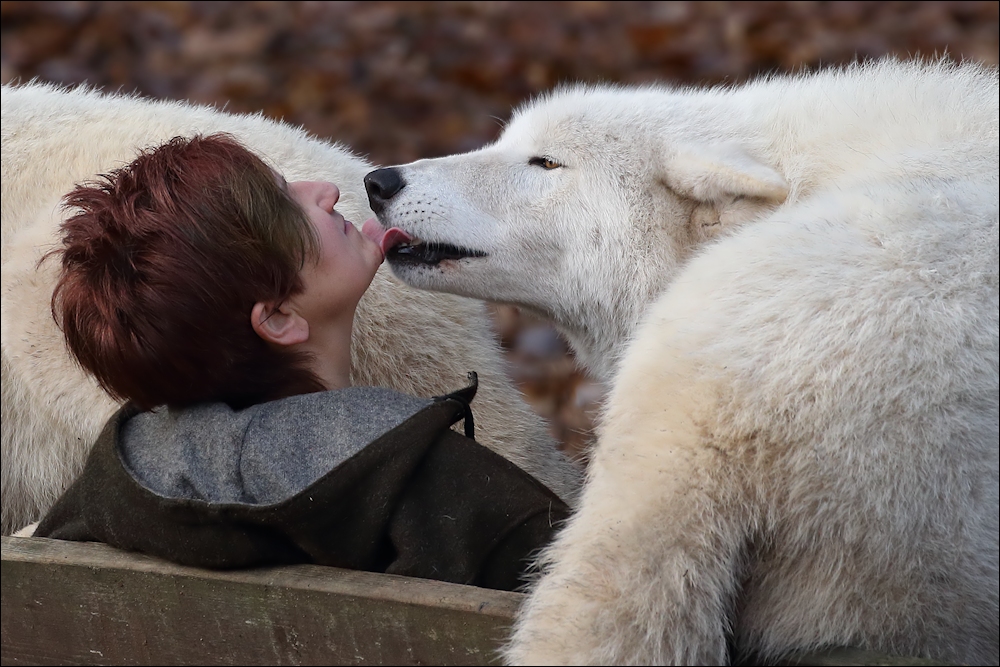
217	301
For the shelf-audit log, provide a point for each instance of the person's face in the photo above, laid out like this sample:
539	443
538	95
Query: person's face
347	261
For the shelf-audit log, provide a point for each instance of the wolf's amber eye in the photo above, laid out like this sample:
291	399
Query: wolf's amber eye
544	163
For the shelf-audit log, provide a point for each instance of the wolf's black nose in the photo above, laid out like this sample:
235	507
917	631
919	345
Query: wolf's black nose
381	185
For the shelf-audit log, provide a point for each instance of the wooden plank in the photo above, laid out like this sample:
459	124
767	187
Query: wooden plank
70	603
854	657
83	603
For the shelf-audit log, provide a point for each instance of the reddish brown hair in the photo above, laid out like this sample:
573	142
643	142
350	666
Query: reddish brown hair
162	263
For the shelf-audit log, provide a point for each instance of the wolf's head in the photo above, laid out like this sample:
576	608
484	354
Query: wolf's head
582	210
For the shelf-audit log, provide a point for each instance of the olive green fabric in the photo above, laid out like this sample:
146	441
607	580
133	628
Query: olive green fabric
420	500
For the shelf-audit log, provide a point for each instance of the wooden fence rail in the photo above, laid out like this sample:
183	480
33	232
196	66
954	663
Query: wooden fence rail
74	603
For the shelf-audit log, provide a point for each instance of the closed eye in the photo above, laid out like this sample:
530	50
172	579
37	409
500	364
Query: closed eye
544	163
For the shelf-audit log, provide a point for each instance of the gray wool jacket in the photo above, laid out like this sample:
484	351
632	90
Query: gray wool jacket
362	478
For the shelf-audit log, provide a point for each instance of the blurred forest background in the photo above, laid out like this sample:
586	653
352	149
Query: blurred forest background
398	81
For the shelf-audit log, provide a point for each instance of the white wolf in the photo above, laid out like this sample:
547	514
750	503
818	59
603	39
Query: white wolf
405	339
790	288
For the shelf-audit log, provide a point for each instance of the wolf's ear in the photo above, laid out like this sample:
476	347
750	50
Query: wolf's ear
720	172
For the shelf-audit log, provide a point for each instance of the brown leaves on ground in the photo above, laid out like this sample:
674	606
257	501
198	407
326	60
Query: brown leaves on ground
398	81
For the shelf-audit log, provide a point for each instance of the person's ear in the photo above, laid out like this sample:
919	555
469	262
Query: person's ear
279	325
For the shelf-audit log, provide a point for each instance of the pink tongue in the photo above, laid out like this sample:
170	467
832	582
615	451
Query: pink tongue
386	239
393	238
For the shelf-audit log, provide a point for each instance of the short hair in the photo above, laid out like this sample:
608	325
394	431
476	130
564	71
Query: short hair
162	263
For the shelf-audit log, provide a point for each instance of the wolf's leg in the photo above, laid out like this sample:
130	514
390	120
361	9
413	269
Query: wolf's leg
646	571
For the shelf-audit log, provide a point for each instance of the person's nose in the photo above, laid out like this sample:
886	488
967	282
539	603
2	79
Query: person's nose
327	195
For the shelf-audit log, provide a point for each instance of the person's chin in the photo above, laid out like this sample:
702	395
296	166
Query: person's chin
373	249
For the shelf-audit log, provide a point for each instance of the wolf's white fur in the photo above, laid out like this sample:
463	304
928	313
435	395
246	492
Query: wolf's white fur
791	289
406	339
